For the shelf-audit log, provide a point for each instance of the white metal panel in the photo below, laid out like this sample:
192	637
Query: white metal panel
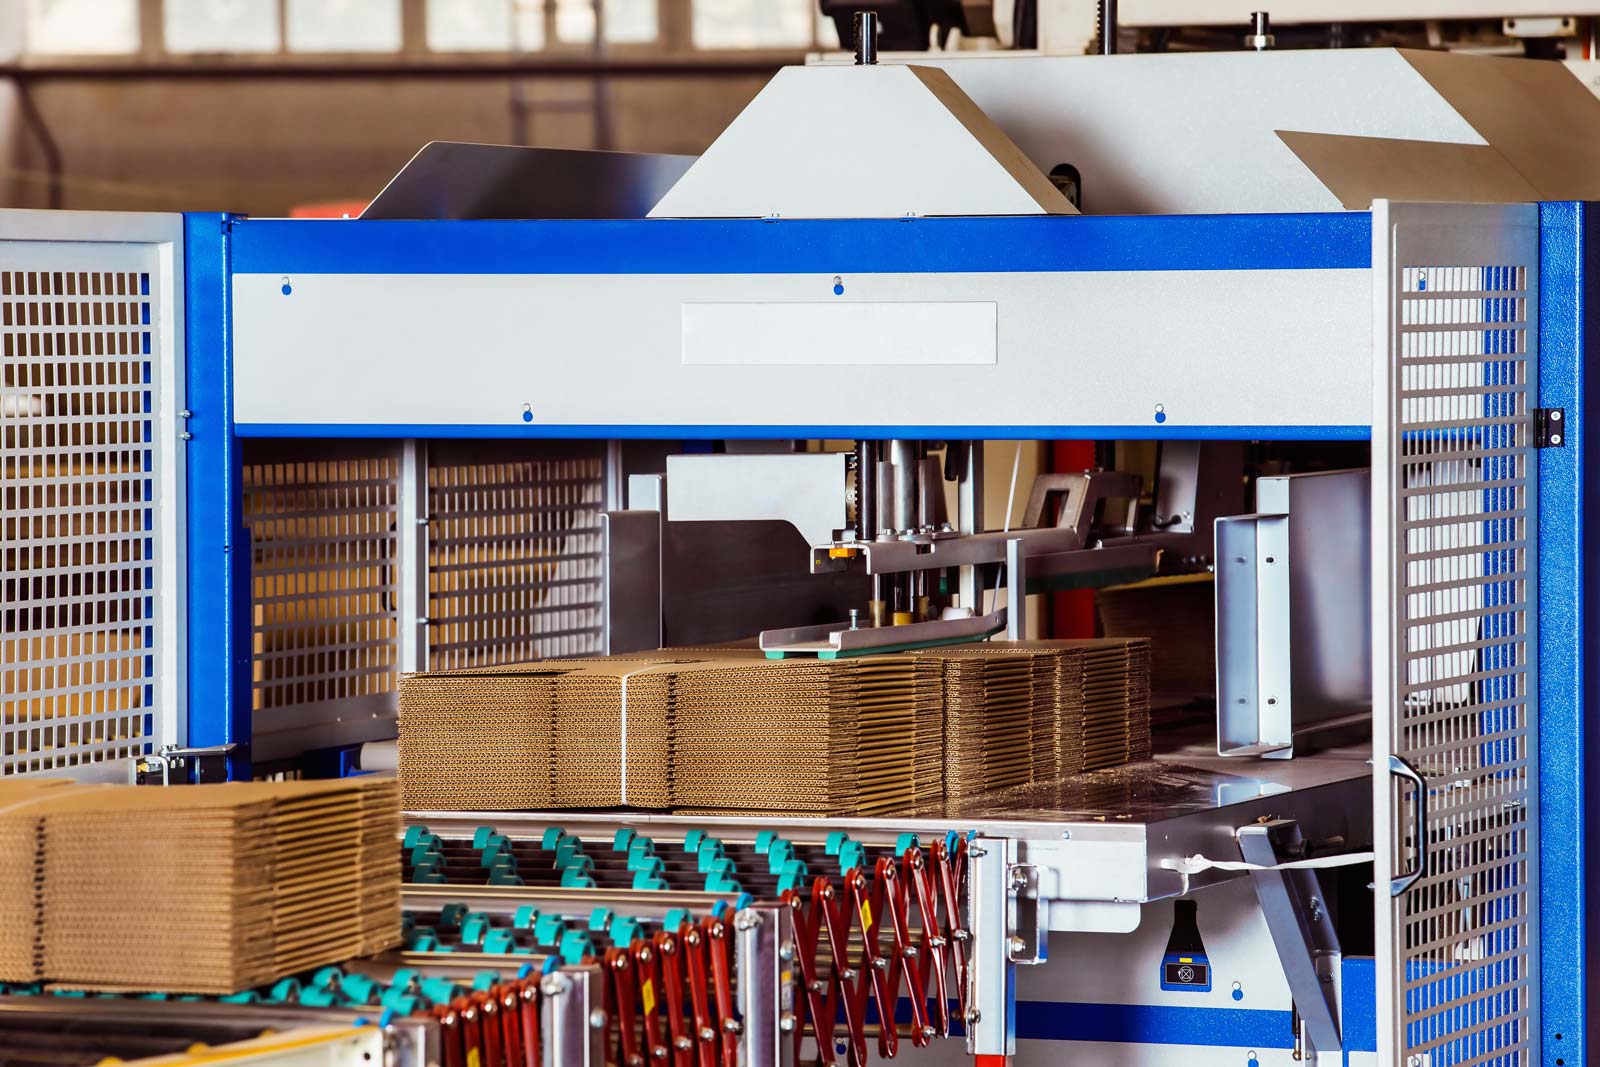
91	510
1195	132
861	334
1245	348
860	142
1223	13
1455	658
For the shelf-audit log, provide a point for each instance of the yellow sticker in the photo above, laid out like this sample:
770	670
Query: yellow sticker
474	1058
866	915
649	996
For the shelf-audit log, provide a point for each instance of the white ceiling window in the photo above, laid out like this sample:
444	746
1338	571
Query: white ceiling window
343	25
627	21
485	25
82	27
221	26
753	23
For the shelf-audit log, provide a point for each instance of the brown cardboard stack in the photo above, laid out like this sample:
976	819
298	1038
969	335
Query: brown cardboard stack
232	886
988	718
1178	615
478	739
21	875
815	737
613	726
1116	710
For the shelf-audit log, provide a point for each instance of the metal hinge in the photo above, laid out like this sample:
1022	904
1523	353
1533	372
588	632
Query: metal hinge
1549	427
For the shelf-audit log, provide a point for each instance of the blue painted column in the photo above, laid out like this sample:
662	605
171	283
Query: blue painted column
218	547
1566	600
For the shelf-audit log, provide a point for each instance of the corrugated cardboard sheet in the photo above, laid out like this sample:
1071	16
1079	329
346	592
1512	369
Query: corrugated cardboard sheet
208	889
725	730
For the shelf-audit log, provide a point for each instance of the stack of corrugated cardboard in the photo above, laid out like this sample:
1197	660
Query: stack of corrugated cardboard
22	875
233	886
988	718
845	737
613	728
1116	710
724	729
481	738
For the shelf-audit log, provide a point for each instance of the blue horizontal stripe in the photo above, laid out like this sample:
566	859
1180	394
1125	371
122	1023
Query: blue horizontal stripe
487	431
1154	1025
806	246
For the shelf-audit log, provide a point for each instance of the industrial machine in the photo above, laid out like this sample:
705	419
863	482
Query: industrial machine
256	469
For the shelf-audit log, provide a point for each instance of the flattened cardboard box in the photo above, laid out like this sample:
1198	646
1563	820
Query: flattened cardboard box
263	879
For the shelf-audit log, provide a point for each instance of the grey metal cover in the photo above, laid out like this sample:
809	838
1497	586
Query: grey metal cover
1455	660
452	180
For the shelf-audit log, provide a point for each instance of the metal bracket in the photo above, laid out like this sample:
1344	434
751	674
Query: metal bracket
573	1017
1549	427
1029	941
991	992
1308	948
764	940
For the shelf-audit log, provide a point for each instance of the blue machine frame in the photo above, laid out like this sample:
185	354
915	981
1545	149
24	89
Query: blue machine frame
220	246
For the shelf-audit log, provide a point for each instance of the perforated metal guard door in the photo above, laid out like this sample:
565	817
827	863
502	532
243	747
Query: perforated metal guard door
91	553
1454	626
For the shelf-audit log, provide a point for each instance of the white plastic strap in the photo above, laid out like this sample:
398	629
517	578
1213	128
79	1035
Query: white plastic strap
1197	863
1189	865
624	769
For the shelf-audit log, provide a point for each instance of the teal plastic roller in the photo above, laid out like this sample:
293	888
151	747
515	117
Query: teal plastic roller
647	880
692	839
622	839
547	930
525	917
836	840
575	945
576	878
451	914
481	836
905	841
502	942
439	990
551	837
764	840
722	883
473	927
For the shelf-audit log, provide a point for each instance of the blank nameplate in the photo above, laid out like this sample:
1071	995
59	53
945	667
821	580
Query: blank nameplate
858	334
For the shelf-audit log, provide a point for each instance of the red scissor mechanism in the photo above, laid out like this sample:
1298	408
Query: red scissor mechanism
838	978
495	1027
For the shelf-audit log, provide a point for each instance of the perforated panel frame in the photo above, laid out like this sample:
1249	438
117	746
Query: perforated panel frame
1455	633
147	244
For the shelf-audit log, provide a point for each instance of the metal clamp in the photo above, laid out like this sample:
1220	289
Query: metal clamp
1400	883
1028	944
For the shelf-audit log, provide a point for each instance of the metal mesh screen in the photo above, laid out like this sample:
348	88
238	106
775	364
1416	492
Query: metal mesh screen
323	577
514	554
1463	474
80	641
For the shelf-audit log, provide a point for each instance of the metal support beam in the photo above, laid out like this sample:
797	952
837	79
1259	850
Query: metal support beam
991	991
1302	932
573	1017
764	941
969	518
412	586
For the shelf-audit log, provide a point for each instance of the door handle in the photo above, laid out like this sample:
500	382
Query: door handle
1402	882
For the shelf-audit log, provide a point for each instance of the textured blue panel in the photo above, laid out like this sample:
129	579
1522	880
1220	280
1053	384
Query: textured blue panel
807	246
218	549
1169	432
1567	269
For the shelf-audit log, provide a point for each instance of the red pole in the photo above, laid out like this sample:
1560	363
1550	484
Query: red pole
1071	610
